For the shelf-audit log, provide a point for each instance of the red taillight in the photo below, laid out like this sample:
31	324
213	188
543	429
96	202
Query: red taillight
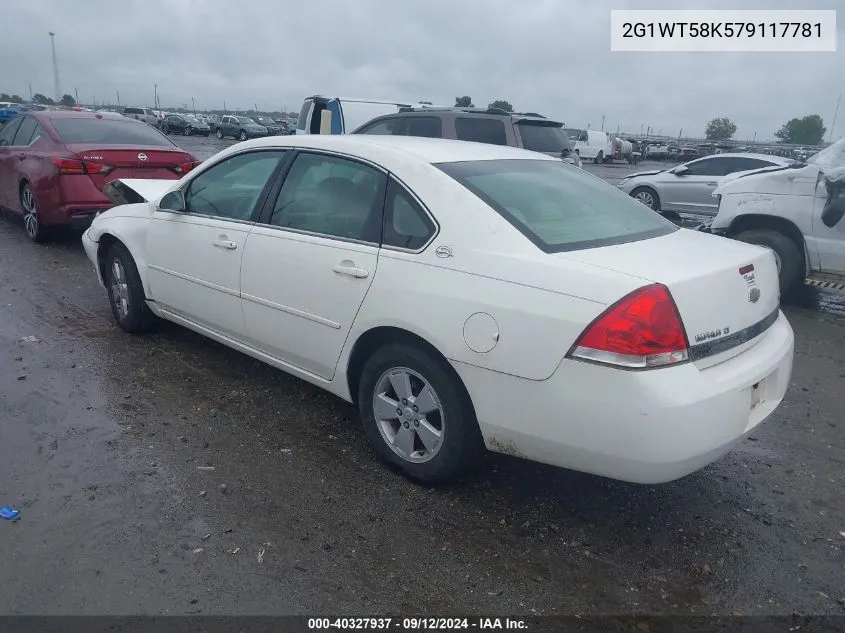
184	168
69	166
73	167
640	331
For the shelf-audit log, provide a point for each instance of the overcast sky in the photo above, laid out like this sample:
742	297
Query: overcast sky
550	56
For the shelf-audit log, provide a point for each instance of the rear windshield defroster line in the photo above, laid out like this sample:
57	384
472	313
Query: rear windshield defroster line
558	207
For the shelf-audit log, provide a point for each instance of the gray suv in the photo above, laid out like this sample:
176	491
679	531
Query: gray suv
528	130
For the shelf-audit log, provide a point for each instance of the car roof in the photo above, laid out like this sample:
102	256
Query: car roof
766	157
378	147
78	114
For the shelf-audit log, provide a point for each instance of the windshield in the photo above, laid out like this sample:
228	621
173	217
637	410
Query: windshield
556	207
571	134
191	118
543	138
833	156
109	132
246	120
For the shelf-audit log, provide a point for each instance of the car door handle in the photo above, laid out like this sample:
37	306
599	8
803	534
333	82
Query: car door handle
21	156
352	271
227	244
712	184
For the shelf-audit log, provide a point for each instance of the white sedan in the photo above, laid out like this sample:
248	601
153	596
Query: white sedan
465	296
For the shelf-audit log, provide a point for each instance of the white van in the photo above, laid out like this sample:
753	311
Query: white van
591	144
339	115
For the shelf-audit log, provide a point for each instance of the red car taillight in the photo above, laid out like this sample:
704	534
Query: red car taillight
184	168
71	166
641	331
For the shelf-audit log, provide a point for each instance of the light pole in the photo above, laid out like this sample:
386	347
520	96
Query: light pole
193	106
56	89
155	97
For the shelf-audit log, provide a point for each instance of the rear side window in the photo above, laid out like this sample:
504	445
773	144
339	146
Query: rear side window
25	131
481	130
7	133
542	138
558	208
406	225
109	132
133	111
427	126
741	163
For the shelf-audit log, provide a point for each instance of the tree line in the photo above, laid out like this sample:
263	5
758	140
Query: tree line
807	130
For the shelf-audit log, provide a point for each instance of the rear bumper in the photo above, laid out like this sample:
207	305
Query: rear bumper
643	427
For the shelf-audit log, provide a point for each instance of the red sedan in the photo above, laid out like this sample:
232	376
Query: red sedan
54	164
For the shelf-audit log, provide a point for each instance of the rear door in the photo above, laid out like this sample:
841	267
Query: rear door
310	261
691	192
194	255
8	191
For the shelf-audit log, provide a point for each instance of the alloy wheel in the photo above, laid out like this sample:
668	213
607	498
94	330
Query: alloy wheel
646	198
30	213
409	414
119	288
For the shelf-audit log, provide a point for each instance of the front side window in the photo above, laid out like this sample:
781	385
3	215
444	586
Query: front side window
331	196
481	130
232	187
556	207
7	134
383	127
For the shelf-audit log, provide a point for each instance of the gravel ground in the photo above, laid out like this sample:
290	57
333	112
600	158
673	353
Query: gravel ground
166	474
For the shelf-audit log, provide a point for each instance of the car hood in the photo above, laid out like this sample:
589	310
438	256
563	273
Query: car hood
134	190
751	172
775	181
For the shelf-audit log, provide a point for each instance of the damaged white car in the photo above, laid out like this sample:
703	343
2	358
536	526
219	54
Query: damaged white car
796	212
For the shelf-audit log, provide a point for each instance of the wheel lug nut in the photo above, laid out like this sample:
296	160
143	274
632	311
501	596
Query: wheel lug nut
406	425
399	411
416	422
404	401
416	408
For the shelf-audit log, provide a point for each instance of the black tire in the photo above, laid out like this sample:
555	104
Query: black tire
165	129
599	157
655	206
243	135
791	258
461	444
138	318
219	135
186	131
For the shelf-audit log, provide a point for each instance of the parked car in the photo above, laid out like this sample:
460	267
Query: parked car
346	114
212	121
185	124
273	128
239	127
498	127
141	114
688	188
9	112
594	335
54	164
791	210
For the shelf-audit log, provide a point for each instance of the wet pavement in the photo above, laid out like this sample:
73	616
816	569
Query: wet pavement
168	474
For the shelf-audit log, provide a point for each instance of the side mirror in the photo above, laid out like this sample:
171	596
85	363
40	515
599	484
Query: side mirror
173	201
834	210
680	170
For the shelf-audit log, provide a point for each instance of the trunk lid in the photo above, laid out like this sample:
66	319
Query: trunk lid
726	291
130	162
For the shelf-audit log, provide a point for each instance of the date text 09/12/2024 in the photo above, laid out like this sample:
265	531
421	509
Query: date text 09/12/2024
417	624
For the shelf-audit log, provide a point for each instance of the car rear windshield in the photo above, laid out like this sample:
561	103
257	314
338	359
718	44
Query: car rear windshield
109	132
556	206
542	138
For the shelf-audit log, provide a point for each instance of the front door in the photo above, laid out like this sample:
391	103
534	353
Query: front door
830	241
310	261
194	255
